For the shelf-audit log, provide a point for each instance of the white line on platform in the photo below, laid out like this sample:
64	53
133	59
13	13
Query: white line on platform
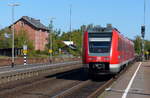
130	83
5	67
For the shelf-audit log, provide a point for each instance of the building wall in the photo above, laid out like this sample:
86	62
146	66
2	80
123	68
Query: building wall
37	36
40	39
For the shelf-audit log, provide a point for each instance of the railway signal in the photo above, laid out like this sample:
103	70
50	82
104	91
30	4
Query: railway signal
143	31
143	35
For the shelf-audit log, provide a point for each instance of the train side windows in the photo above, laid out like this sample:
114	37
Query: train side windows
119	44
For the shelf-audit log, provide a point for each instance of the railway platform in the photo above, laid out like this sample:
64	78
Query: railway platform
18	68
8	74
134	83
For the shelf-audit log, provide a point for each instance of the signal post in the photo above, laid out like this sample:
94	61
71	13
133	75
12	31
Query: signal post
25	54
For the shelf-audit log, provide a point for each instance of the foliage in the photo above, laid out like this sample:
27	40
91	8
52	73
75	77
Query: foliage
4	41
37	53
147	45
21	38
138	44
56	42
58	37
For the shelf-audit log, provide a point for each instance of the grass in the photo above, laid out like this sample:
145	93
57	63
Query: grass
3	57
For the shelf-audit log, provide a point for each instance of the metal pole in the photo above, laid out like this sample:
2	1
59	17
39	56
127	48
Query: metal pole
70	22
49	45
70	25
51	35
144	10
13	31
143	56
143	44
51	40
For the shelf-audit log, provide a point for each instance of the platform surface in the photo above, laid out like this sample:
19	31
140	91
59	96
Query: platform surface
135	83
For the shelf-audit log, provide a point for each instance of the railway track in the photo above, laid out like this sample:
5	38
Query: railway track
90	89
71	84
82	90
61	85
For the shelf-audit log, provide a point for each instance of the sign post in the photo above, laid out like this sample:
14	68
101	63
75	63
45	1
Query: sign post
25	54
50	52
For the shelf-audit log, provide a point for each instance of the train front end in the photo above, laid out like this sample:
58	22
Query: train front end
97	49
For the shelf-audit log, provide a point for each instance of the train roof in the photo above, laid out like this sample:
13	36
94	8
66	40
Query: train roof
98	28
109	28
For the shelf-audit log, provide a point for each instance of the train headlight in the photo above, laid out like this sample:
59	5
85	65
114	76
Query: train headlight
92	58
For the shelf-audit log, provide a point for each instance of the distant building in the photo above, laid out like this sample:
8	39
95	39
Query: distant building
70	44
36	31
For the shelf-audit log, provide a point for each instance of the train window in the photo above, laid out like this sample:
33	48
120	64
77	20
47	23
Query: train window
100	42
100	35
119	44
99	47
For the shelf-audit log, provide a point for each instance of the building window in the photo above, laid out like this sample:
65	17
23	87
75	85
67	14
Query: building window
22	24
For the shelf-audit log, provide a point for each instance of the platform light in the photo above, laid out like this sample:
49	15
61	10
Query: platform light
13	30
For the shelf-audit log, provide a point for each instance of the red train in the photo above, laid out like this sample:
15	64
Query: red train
106	50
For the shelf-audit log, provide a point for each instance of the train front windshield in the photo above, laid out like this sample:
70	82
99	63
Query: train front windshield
99	42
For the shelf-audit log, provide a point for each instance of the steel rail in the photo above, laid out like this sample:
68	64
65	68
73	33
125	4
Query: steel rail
69	91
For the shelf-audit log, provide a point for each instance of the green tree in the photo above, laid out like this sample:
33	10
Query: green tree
21	38
76	37
147	45
56	41
5	42
138	44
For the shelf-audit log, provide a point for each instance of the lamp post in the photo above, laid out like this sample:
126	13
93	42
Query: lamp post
13	31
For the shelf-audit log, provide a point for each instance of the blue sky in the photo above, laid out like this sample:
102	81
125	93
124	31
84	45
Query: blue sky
126	15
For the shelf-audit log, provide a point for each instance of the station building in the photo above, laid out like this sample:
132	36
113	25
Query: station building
36	31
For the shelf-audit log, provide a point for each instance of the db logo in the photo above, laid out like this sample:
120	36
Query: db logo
98	58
